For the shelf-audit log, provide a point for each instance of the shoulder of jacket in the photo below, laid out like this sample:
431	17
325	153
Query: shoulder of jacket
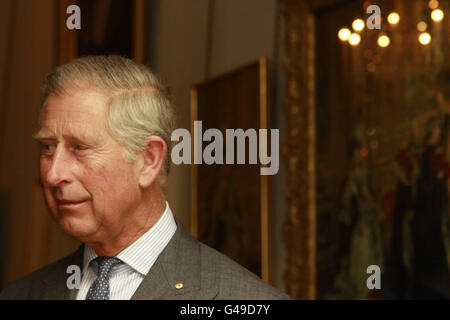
233	280
22	287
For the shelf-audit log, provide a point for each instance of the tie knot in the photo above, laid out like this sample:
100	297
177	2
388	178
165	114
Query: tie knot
105	265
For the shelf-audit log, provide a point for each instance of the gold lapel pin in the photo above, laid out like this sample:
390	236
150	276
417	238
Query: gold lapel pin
179	285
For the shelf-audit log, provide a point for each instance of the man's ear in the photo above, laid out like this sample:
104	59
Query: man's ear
154	156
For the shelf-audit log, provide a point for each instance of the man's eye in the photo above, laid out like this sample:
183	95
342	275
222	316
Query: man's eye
47	148
79	147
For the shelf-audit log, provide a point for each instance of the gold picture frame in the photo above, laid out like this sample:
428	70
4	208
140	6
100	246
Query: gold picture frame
298	146
257	74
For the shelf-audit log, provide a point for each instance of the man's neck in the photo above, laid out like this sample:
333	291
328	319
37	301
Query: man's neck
148	215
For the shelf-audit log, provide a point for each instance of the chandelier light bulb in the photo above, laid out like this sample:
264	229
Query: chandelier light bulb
354	39
437	15
344	34
383	41
424	38
393	18
422	26
433	4
358	25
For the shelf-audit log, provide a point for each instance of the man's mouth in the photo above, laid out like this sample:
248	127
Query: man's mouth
68	203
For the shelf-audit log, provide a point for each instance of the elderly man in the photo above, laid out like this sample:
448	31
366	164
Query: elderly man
104	129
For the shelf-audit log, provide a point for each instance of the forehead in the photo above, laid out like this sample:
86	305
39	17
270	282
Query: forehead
78	114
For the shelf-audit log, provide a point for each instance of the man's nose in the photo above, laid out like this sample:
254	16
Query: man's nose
59	171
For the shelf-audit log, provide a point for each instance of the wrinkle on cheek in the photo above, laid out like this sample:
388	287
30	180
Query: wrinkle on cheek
98	178
104	195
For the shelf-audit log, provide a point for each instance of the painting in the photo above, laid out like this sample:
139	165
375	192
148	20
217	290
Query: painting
230	202
367	145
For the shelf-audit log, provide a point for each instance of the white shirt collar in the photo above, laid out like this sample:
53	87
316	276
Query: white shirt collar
142	253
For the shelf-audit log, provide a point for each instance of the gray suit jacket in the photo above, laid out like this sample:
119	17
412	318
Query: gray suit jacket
205	273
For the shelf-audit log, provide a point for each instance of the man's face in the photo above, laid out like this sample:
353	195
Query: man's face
91	190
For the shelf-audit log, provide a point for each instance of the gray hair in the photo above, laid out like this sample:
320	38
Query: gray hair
140	106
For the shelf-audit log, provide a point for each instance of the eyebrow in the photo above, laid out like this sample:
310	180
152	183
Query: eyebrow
39	136
42	136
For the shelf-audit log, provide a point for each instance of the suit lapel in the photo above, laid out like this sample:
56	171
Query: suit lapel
154	285
176	273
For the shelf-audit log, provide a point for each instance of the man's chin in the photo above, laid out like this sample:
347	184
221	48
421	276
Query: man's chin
76	228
